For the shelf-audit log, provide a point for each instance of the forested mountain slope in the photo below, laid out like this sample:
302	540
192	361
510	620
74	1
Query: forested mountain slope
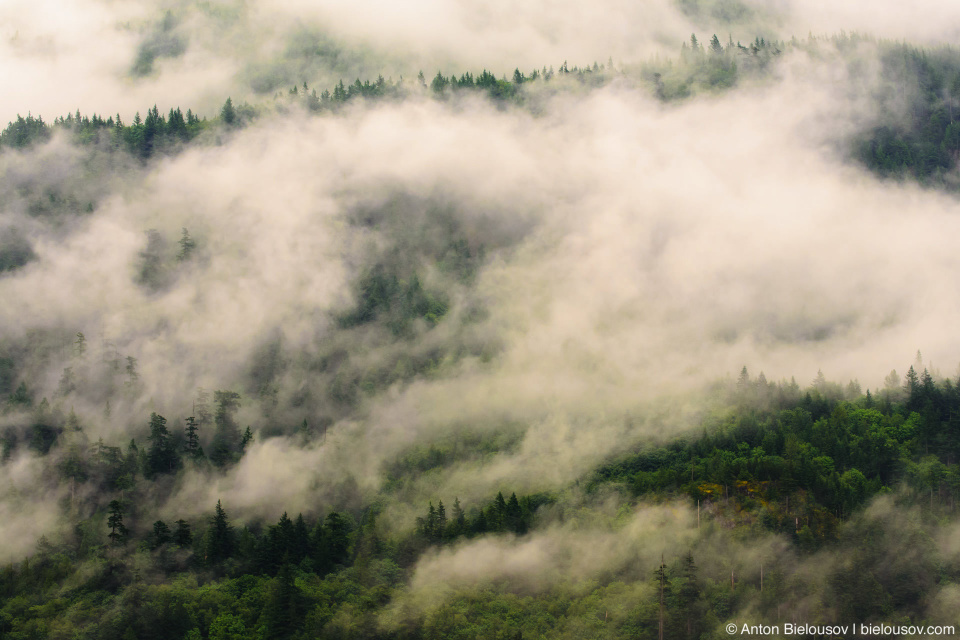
774	476
368	351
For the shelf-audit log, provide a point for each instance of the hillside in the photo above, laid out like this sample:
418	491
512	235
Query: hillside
319	327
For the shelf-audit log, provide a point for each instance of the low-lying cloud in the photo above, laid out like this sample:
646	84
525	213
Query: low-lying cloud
109	57
634	251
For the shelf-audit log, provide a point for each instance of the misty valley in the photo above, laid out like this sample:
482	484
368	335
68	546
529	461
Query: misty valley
347	335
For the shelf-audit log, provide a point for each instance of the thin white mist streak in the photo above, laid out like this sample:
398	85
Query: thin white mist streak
559	554
585	553
28	505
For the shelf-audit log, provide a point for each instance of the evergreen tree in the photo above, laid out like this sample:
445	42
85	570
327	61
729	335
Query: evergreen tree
131	461
300	544
688	597
176	126
820	382
332	543
21	397
201	407
118	532
161	456
191	445
283	610
458	525
439	83
480	524
277	546
440	526
118	131
715	47
80	346
161	534
226	438
182	537
132	375
499	512
913	387
24	132
892	381
186	246
429	527
228	115
513	515
694	44
313	101
663	595
220	540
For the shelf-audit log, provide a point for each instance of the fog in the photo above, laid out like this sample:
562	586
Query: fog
112	57
633	252
666	253
29	505
600	545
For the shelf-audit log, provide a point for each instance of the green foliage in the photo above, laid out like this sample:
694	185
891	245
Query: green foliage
143	138
917	135
182	537
24	132
162	456
161	534
228	114
164	42
191	444
227	442
383	296
800	463
498	516
815	458
187	246
15	250
118	532
331	543
220	540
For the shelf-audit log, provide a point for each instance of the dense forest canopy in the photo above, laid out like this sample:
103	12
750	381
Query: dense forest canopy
577	324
